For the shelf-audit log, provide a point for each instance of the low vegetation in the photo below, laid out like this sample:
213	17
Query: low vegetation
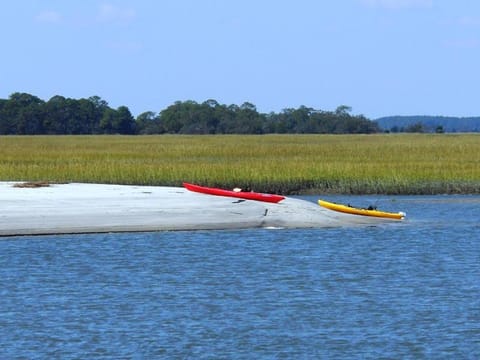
288	164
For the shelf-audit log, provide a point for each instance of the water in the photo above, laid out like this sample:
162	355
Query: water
409	290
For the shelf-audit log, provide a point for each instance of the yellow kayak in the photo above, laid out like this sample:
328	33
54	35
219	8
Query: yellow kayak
358	211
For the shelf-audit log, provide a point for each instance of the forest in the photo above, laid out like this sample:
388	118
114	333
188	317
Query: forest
26	114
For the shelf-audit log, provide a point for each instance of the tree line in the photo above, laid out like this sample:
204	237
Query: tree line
429	124
26	114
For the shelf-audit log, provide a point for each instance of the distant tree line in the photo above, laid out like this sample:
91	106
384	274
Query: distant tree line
25	114
429	124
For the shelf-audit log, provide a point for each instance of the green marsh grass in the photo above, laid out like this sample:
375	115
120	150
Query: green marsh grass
350	164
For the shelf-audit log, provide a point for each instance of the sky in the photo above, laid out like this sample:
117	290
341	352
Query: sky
379	57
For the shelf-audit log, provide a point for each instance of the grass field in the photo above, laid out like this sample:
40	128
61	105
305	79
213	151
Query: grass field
349	164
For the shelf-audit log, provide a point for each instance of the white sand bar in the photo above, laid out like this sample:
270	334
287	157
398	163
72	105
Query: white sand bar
91	208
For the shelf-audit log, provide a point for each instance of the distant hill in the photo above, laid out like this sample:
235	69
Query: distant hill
430	123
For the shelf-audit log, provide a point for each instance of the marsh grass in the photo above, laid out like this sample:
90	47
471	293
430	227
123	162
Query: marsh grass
350	164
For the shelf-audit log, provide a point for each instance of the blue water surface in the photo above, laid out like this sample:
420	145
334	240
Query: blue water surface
409	290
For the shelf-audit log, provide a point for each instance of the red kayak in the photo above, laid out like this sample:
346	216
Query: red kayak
236	194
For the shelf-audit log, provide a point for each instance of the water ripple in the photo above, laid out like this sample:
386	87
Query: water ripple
403	291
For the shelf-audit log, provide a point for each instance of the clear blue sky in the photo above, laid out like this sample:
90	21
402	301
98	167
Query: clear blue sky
381	57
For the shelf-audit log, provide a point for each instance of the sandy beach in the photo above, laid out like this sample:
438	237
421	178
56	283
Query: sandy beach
91	208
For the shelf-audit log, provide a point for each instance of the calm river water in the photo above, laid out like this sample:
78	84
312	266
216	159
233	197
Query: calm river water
409	290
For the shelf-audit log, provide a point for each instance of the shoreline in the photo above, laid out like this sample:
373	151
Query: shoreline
426	188
42	208
420	188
